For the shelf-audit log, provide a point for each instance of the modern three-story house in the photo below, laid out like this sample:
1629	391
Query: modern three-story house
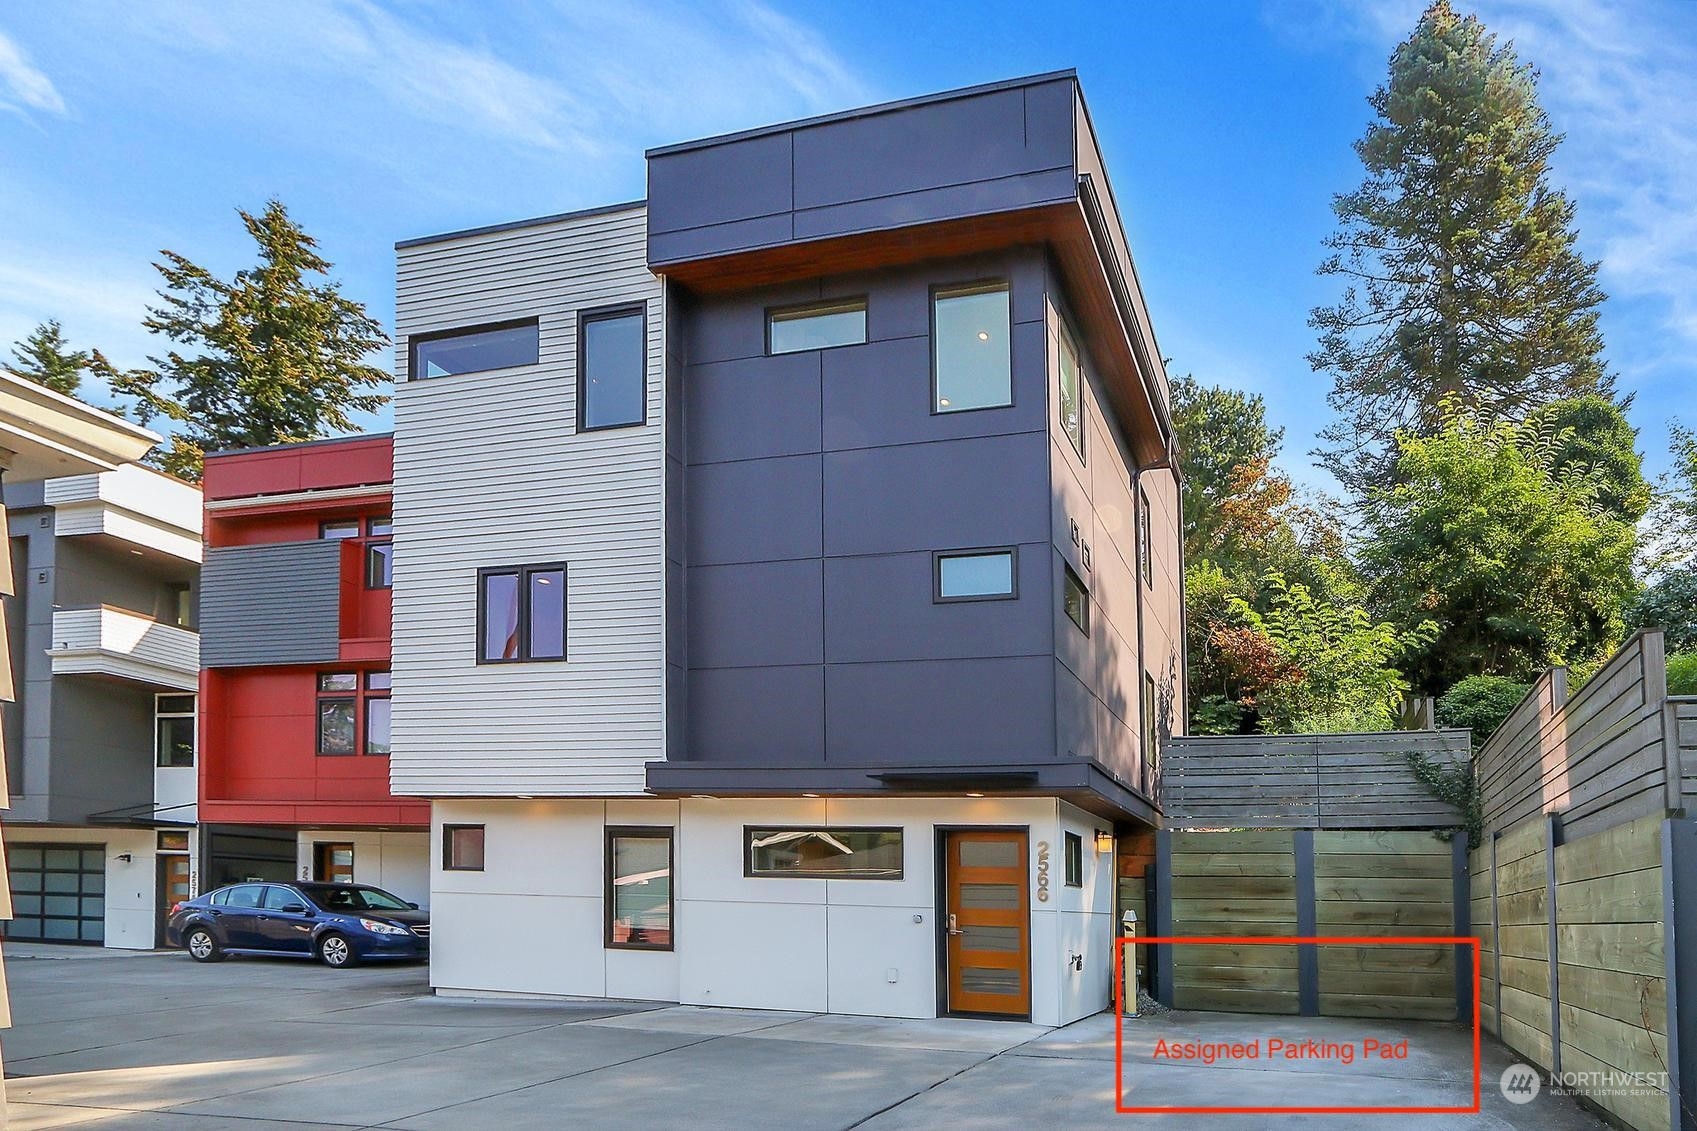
787	591
295	688
100	742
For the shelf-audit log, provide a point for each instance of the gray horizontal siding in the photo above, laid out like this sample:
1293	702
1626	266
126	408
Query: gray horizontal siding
272	604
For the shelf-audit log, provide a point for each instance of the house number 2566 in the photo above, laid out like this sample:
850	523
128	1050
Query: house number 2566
1042	871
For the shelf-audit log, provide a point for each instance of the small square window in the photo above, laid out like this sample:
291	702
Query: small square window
462	848
378	681
1075	600
1075	860
972	358
380	527
335	531
975	575
818	326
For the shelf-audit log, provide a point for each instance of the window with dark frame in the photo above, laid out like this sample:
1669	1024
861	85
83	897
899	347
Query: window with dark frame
174	727
612	371
974	575
1075	600
1071	399
338	713
1145	542
639	889
379	555
1151	727
339	529
377	714
521	613
462	848
971	347
1074	860
823	853
474	349
816	326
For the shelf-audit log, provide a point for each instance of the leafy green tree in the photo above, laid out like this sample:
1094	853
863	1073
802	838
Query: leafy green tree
1512	556
1333	667
1670	604
1682	674
46	358
1592	434
1461	274
1226	450
1481	702
272	356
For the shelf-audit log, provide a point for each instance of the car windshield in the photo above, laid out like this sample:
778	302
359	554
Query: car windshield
345	897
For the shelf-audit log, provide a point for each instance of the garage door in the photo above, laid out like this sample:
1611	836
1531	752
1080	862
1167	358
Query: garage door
58	892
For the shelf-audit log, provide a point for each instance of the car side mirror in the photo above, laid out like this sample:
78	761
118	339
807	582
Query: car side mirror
414	906
295	909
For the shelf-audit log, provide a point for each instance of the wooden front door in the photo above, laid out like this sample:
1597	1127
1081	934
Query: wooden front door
173	889
988	922
333	863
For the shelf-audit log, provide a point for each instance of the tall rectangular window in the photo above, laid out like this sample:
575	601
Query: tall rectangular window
1151	727
1145	543
521	613
639	889
612	384
818	326
1075	600
462	848
972	352
174	722
1075	860
474	349
338	710
974	575
377	716
1071	398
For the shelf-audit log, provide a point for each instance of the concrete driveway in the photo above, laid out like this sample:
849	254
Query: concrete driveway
153	1041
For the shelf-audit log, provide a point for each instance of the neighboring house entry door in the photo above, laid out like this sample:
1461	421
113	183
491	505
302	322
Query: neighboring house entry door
333	863
173	889
988	922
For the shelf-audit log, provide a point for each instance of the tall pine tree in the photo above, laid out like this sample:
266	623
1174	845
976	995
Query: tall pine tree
272	356
1462	279
46	358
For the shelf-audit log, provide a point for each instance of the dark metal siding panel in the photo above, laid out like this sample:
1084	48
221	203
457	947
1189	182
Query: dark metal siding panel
270	604
757	716
939	713
980	153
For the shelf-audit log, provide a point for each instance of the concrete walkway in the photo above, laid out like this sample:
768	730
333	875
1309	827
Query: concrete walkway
155	1041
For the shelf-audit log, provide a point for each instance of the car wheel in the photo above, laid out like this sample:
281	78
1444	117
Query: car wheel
202	947
336	951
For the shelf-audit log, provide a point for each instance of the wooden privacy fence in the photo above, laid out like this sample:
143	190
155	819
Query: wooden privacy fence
1307	781
1584	887
1314	883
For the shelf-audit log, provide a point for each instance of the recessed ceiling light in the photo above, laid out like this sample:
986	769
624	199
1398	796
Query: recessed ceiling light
983	335
810	795
975	795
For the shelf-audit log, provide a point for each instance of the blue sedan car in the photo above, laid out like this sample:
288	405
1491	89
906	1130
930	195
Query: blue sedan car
338	924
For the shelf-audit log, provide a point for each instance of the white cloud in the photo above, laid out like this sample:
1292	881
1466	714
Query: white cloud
22	84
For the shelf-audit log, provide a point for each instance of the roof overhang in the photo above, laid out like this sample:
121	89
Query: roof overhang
44	434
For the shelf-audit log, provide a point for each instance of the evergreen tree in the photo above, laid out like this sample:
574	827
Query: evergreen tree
1462	279
272	356
46	358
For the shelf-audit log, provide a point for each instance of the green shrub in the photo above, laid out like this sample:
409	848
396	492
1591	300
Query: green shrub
1481	702
1682	674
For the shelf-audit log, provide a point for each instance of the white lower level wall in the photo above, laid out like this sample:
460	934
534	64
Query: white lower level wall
131	896
397	862
532	922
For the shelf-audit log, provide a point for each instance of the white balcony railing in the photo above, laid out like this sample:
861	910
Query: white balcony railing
125	645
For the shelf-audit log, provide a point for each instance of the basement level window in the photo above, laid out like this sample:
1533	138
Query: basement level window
817	326
823	853
474	349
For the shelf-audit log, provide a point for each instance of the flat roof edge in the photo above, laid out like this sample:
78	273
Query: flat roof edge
532	222
864	111
293	444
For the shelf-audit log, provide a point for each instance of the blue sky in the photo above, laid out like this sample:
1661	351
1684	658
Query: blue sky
126	128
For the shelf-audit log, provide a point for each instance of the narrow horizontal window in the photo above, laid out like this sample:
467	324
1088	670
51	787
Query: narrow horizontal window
979	575
824	853
972	354
1075	601
338	681
462	848
818	326
612	369
475	349
639	889
335	531
380	527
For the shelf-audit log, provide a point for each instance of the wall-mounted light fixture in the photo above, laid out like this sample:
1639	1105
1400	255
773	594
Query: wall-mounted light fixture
125	857
1104	840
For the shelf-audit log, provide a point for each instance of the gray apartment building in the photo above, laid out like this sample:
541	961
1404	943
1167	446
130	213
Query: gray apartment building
787	602
100	744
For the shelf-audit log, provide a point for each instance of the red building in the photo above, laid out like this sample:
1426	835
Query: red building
294	771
